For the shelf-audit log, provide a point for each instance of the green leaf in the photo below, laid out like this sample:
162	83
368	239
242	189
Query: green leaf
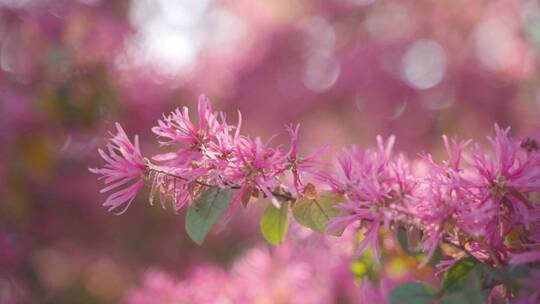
413	293
405	238
275	223
464	297
468	289
510	276
202	215
315	213
511	273
459	270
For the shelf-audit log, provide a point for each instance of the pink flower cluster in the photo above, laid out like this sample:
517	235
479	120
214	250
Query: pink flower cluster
298	271
259	276
375	183
210	153
482	201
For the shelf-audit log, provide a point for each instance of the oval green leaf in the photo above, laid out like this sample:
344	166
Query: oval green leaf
457	272
466	288
315	213
275	223
202	215
413	293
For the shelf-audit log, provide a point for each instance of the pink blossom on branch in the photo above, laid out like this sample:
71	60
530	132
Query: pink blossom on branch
177	128
375	182
475	200
301	165
125	165
215	153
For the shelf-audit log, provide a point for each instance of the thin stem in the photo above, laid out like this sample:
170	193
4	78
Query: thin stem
180	177
288	197
462	248
492	254
285	196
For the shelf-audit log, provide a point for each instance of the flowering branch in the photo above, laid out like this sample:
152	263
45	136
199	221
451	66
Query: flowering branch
483	202
286	196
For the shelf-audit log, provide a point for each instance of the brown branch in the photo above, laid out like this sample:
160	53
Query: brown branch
462	248
286	196
492	254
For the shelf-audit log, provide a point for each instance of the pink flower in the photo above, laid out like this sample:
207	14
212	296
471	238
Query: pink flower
177	129
256	165
509	174
222	152
446	202
376	184
300	165
285	274
124	171
204	285
482	195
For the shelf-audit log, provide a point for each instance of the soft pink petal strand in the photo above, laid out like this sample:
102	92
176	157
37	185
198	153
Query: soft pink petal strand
123	172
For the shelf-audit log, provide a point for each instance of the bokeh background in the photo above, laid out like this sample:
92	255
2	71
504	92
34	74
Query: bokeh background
346	70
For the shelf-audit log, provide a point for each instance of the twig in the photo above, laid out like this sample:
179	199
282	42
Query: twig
285	196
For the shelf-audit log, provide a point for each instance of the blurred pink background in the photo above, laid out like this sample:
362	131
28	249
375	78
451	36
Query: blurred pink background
346	70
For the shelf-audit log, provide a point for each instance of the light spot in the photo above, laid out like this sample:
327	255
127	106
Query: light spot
398	110
320	34
396	269
439	99
225	31
359	268
360	2
538	97
424	64
16	3
168	35
495	45
321	71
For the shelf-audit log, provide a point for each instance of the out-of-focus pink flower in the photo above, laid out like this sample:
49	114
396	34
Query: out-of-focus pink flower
287	274
205	285
124	171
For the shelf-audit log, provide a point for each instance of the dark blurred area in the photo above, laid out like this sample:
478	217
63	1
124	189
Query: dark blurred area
346	70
